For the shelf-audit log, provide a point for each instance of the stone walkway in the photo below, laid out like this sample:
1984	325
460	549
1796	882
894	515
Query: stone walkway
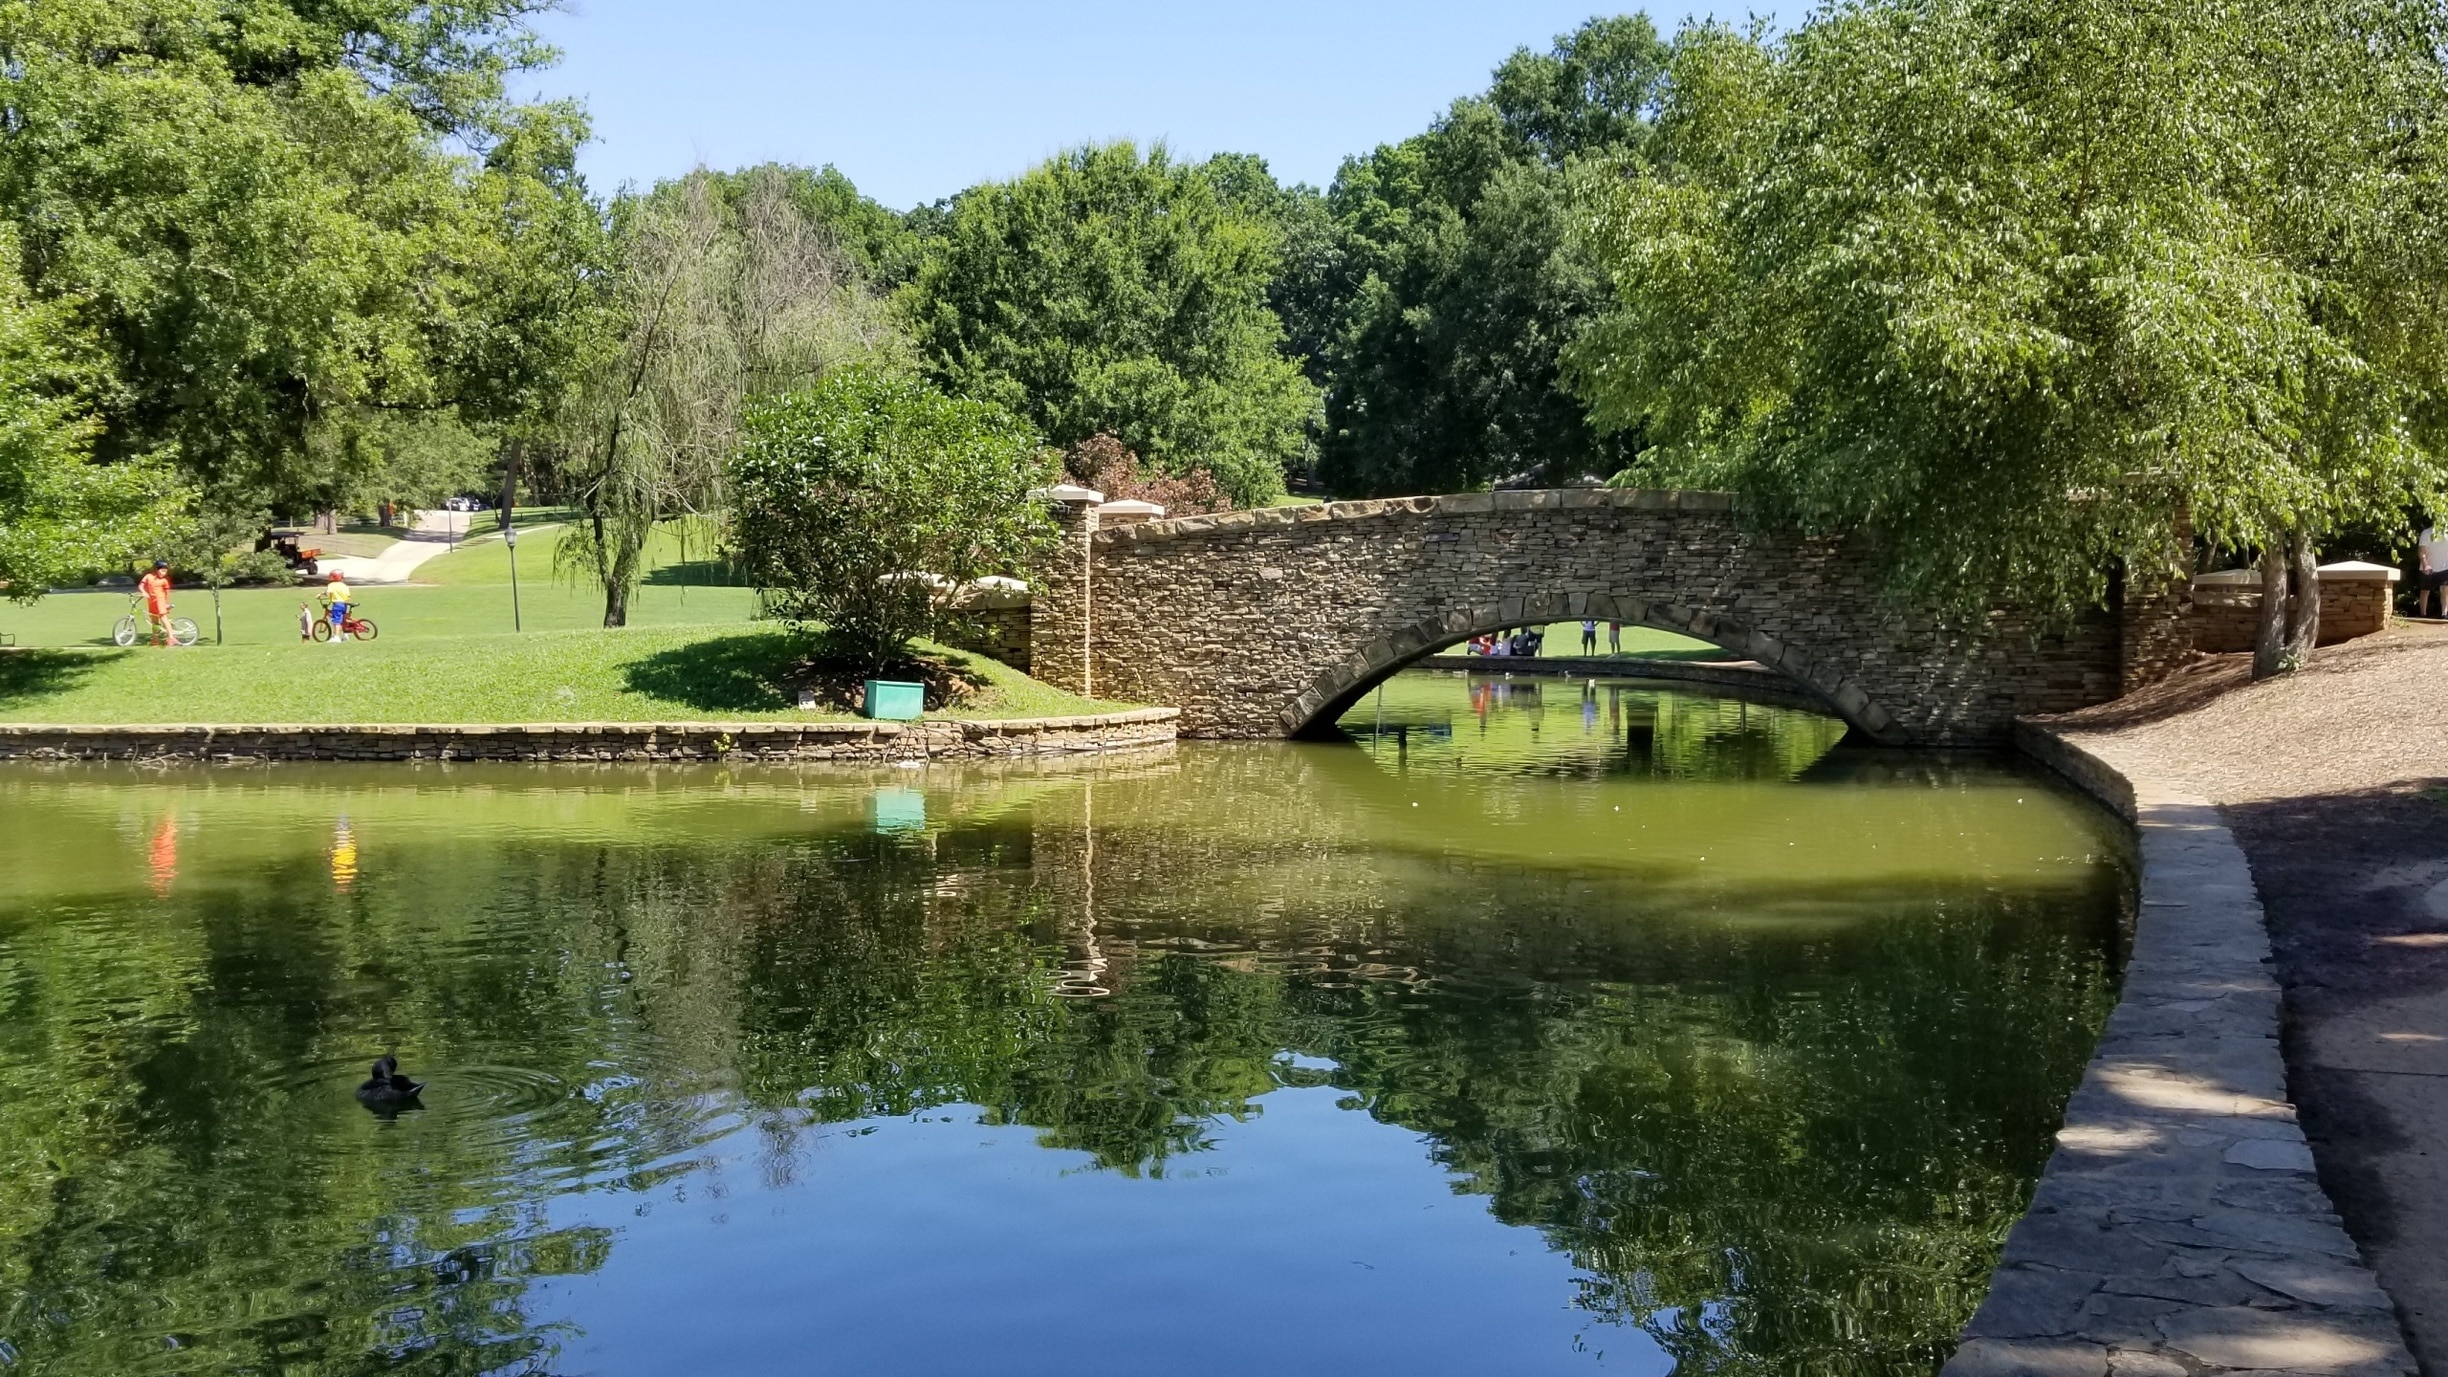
2181	1226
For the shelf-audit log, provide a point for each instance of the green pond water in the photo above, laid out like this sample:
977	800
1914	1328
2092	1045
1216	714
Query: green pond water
1541	1027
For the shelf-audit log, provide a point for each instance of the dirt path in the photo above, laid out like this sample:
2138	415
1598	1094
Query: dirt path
2335	781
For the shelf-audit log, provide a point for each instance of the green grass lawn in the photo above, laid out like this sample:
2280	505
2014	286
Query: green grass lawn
1564	639
269	616
644	674
671	559
447	653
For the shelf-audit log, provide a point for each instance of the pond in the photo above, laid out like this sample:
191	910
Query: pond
1539	1027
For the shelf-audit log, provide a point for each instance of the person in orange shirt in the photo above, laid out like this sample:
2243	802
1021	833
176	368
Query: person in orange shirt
156	589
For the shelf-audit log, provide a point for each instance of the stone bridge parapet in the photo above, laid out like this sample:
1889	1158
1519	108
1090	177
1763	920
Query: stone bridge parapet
1273	622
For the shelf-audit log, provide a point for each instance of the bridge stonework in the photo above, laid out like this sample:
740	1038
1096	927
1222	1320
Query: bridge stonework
1270	623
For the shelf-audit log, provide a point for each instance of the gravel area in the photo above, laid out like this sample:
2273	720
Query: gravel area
2335	782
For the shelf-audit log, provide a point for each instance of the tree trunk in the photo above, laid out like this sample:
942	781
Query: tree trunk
2290	606
616	588
2303	610
510	468
2269	645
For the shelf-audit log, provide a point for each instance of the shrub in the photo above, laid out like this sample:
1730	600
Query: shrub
865	502
1107	465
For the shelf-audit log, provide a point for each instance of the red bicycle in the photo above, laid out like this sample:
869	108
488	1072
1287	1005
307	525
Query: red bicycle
320	627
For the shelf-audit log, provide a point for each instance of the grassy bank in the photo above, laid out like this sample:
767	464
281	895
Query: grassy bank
644	674
269	616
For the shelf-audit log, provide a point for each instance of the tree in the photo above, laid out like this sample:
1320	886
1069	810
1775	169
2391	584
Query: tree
62	515
2013	285
1451	285
265	221
1109	292
883	245
216	549
865	502
716	299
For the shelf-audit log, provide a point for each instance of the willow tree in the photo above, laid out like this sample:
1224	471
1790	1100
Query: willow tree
714	300
2024	284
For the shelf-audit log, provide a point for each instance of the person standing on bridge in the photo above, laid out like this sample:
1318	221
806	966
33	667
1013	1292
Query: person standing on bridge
1589	635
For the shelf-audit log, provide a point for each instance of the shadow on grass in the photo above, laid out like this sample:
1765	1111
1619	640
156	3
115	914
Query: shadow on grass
28	676
744	673
696	573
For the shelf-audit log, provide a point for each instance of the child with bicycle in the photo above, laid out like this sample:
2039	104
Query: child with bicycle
336	606
155	586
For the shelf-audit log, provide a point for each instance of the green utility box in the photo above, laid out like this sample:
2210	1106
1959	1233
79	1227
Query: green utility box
895	702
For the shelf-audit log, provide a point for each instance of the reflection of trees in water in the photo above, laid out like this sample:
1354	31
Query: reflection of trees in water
166	1211
1781	1147
1778	1152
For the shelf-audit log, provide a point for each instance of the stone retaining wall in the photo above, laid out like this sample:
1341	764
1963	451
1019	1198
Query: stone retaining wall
2179	1229
2226	616
599	741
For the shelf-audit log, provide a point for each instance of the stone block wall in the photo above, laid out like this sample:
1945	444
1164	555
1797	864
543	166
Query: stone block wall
1268	622
2226	615
999	633
1060	609
598	741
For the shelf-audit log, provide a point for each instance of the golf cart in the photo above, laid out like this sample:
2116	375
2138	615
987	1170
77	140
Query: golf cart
285	542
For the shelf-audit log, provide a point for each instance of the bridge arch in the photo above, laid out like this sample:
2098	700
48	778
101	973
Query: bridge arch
1338	688
1265	623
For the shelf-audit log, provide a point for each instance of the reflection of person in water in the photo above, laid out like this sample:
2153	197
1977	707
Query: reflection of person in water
164	856
344	855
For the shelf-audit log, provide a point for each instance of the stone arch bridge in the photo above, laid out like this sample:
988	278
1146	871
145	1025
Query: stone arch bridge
1271	623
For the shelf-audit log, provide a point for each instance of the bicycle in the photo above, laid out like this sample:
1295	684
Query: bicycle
362	628
137	625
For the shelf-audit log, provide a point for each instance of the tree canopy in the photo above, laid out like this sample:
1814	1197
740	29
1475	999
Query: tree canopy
2016	282
1107	291
1449	283
60	513
265	217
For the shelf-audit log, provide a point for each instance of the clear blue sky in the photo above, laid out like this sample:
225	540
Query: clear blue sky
915	99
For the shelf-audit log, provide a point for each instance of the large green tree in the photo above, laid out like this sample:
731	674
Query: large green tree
277	215
1110	292
1437	306
61	514
2012	283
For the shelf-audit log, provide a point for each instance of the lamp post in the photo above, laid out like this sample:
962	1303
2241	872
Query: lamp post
510	538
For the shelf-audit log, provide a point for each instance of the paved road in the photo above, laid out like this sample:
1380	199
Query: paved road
430	536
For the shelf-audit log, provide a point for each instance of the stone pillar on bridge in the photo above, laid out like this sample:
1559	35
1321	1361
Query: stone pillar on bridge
1061	608
2153	601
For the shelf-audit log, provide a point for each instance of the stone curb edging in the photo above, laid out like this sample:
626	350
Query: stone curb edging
2179	1228
939	739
